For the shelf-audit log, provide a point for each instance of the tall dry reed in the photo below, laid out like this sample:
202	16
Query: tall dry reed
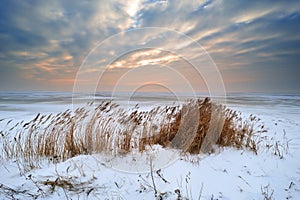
194	127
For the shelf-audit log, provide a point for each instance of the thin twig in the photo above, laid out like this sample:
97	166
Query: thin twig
151	172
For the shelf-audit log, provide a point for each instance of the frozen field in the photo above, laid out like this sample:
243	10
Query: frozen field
227	174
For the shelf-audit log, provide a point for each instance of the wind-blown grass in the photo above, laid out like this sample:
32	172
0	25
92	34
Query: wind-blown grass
193	127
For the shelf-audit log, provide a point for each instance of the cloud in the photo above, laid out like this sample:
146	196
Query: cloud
146	57
49	40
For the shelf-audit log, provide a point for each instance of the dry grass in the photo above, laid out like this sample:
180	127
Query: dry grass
214	125
193	127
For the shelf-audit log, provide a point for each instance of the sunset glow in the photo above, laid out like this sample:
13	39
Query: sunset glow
255	45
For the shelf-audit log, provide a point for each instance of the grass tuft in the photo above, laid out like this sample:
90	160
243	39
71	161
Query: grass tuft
194	127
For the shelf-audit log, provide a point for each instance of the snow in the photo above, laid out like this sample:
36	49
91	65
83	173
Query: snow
227	174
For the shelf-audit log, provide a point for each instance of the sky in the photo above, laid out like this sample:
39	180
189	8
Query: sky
152	45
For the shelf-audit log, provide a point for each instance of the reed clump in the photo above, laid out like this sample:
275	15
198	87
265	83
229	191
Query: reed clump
215	124
194	127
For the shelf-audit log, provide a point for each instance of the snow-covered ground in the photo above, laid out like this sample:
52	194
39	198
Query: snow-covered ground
227	174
